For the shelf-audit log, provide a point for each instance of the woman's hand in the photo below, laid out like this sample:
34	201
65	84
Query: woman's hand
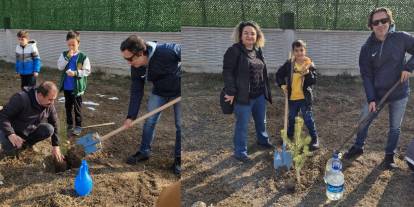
228	98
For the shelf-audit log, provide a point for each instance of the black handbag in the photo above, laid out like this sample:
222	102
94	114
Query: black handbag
226	107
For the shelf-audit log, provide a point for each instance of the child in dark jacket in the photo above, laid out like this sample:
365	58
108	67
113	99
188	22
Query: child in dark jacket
76	68
27	59
296	77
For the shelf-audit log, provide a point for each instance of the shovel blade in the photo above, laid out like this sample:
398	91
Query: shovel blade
287	159
277	161
90	142
282	159
91	149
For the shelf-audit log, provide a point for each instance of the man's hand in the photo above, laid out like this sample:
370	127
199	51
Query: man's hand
57	154
16	140
405	75
372	106
70	73
228	98
35	74
128	123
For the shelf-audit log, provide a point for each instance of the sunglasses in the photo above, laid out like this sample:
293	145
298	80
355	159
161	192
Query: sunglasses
130	59
383	21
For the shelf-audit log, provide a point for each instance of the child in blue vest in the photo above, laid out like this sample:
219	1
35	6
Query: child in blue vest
75	67
27	59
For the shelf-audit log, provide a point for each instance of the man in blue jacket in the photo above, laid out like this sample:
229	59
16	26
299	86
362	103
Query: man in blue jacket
160	64
382	63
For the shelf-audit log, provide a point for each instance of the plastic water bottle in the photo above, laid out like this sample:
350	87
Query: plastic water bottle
328	167
83	181
334	178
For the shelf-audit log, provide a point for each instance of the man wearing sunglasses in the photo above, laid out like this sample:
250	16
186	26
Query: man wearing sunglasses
160	64
382	63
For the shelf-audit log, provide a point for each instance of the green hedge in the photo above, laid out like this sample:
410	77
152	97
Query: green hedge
309	14
100	15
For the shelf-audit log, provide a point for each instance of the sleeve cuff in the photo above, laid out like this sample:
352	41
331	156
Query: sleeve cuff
131	117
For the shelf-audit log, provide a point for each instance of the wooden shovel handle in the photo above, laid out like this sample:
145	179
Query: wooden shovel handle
142	118
285	120
98	125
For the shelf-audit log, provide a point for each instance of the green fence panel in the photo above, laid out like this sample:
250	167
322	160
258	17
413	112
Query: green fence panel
309	14
94	15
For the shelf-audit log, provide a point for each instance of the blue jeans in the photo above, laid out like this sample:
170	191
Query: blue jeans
149	126
294	107
396	115
256	107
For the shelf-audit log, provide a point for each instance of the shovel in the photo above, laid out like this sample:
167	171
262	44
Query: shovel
99	125
282	157
369	117
92	142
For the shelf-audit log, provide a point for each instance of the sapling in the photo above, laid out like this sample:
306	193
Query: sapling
299	146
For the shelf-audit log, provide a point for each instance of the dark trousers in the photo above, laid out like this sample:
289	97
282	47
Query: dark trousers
28	80
43	131
73	103
294	107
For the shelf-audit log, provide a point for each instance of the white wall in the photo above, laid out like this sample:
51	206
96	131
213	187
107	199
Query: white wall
101	47
334	52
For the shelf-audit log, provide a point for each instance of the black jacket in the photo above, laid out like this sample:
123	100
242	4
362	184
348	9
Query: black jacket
163	70
22	115
236	74
381	64
284	73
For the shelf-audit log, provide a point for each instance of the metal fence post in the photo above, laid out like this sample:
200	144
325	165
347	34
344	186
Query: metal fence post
335	23
203	13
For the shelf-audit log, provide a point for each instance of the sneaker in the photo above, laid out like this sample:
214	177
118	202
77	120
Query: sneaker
244	159
77	130
136	158
389	163
353	153
314	145
176	167
267	145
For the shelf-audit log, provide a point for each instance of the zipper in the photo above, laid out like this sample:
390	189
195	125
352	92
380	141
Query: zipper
23	57
382	45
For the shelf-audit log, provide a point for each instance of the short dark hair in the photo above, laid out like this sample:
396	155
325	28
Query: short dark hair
298	43
73	35
23	34
377	10
134	44
45	87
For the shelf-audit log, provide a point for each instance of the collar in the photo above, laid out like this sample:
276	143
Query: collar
152	46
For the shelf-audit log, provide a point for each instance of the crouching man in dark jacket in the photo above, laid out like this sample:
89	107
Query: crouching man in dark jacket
160	64
30	117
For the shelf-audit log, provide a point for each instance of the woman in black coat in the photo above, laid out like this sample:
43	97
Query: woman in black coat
247	85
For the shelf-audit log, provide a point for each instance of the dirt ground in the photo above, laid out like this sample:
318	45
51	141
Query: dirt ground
212	175
28	182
